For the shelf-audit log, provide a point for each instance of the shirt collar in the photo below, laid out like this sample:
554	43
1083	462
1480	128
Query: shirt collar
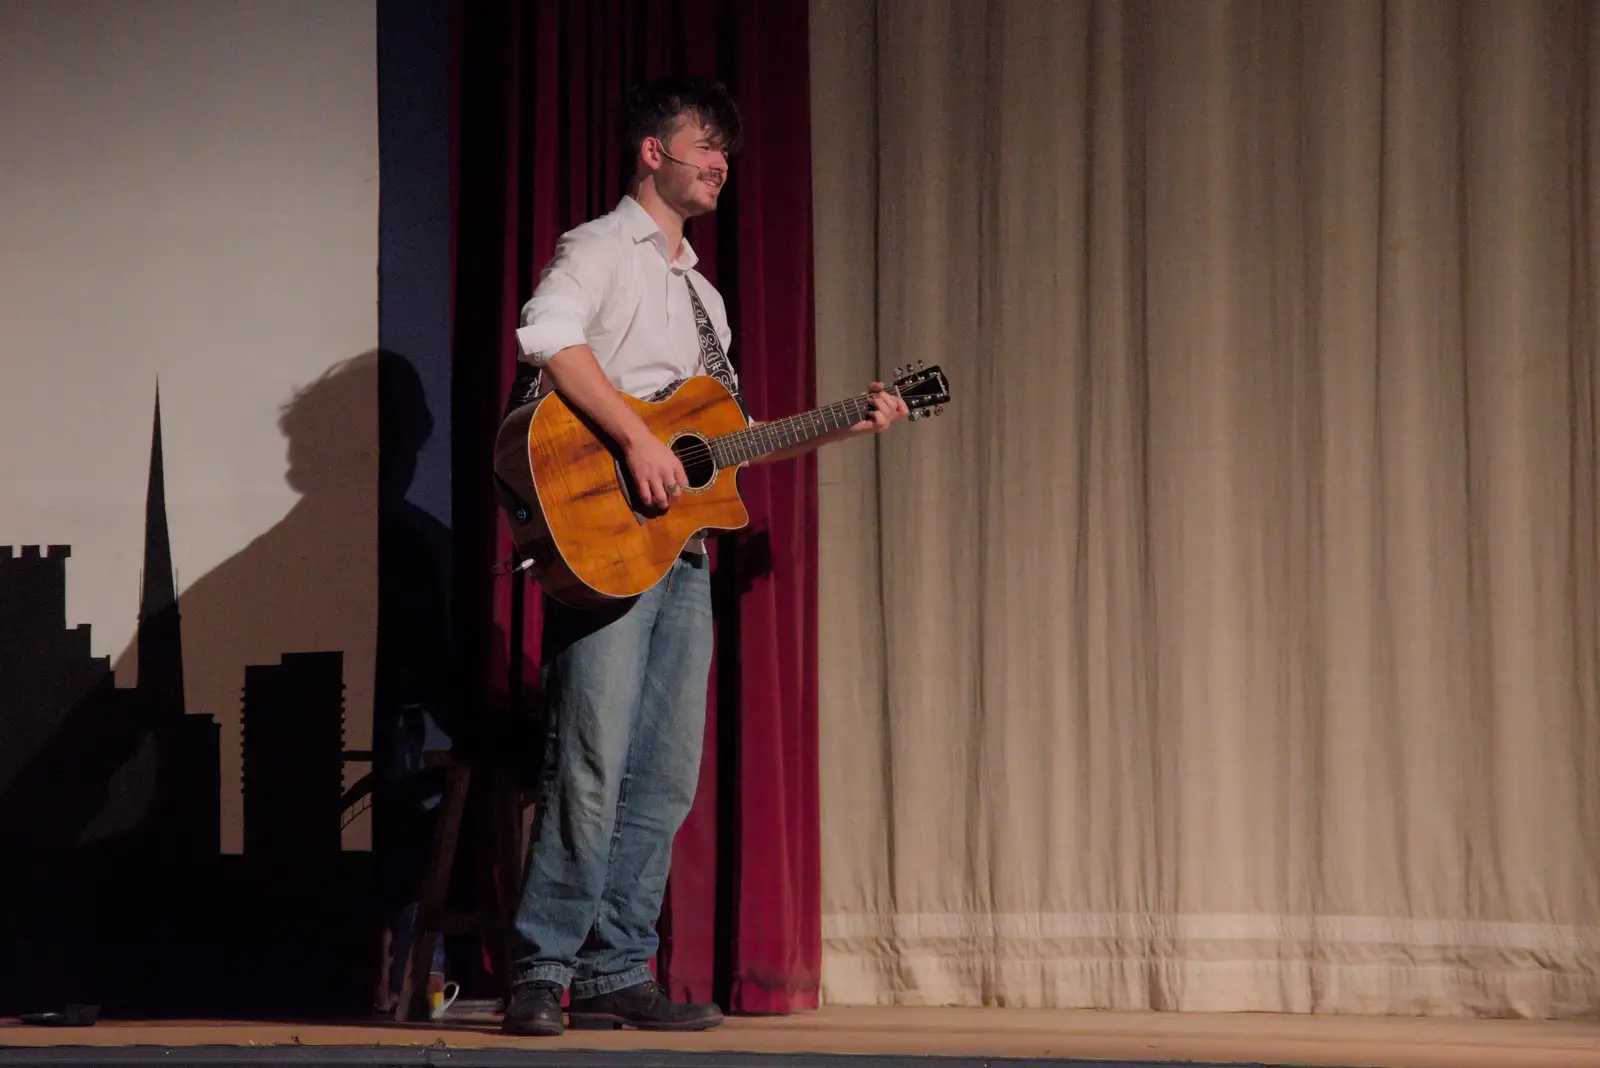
638	225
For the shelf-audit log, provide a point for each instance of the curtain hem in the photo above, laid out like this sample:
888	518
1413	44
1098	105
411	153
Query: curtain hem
1361	965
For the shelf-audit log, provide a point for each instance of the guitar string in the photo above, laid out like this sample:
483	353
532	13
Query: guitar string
773	433
772	436
776	429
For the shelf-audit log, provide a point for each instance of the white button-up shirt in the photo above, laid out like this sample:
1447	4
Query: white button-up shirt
610	286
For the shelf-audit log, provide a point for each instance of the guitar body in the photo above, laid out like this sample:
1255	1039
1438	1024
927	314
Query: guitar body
572	505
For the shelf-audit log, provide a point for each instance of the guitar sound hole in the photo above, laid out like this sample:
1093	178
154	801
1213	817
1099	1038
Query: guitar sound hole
695	455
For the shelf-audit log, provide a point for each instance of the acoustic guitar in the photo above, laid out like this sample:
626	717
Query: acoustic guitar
577	520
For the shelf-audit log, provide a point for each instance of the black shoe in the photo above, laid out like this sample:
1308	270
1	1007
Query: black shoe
644	1006
534	1010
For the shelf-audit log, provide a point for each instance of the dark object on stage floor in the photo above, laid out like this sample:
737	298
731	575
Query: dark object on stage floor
71	1016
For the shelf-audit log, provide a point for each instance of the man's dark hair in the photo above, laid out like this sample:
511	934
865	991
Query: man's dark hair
653	108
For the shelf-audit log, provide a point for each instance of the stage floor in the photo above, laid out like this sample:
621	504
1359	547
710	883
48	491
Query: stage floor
885	1035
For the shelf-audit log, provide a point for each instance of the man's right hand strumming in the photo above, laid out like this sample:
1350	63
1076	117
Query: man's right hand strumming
656	471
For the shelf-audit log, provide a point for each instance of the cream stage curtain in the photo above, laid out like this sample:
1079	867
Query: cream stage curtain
1230	643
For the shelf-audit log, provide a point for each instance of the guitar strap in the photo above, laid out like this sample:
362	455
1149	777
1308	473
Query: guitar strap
524	388
711	353
712	356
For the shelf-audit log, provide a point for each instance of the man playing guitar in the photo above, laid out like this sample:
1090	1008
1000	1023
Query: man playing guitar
619	310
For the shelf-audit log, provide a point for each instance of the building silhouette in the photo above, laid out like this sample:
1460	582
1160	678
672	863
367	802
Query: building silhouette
70	728
48	680
188	798
110	813
294	760
45	664
160	656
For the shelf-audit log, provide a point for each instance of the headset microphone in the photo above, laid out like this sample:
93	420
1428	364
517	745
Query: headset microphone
675	159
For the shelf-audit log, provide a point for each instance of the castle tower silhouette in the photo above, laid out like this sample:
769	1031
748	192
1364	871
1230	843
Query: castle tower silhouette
46	667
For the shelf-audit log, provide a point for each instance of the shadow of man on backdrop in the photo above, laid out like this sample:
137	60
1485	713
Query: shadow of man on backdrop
118	820
413	712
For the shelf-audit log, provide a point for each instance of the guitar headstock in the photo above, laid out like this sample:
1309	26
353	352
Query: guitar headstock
924	389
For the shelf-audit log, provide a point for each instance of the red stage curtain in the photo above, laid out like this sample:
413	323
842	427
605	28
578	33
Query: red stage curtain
538	96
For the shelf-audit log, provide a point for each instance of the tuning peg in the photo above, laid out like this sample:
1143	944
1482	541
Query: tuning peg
919	365
939	410
898	371
918	414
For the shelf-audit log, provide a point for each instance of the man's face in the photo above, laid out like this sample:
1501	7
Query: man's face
693	185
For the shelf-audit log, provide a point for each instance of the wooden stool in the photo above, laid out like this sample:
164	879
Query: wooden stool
511	820
499	872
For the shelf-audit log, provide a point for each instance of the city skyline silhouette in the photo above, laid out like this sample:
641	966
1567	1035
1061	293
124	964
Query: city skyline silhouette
111	807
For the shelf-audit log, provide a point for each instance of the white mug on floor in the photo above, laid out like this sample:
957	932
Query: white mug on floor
440	1000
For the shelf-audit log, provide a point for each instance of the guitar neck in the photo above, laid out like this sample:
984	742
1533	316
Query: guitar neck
742	446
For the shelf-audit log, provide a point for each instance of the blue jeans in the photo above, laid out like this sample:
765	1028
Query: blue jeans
626	689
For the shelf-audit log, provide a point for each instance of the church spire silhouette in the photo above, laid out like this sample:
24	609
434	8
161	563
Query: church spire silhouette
160	641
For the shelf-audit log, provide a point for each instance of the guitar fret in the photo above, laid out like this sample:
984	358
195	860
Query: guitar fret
741	446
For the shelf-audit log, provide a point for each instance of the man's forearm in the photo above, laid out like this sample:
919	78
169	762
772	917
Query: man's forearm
580	381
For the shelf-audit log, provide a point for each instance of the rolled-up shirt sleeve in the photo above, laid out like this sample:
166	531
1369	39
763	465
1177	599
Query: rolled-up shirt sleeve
567	297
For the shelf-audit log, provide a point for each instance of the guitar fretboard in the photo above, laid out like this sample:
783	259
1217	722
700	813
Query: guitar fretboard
742	446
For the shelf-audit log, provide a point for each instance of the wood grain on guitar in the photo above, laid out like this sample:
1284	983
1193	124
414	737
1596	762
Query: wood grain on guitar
576	515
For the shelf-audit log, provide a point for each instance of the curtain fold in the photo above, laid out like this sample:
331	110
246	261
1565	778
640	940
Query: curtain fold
1230	643
539	92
